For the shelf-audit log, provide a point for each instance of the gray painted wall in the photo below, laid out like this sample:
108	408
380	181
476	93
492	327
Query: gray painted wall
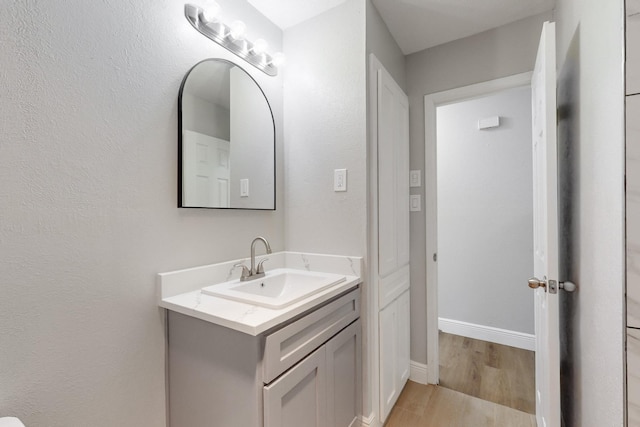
485	212
591	146
381	43
501	52
88	192
250	157
325	129
202	116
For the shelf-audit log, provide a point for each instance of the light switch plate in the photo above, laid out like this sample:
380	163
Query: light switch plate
244	187
340	180
415	203
415	178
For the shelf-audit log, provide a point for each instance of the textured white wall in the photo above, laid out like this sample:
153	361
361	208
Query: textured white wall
88	196
485	212
591	142
496	53
251	158
325	129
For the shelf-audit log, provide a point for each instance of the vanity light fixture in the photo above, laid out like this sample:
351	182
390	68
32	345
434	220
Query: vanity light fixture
231	37
237	30
211	15
278	59
259	47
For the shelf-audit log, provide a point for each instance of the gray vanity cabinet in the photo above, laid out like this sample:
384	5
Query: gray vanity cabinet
298	398
320	391
305	373
344	384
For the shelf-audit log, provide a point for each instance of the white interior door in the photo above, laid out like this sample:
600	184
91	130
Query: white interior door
389	342
206	170
545	229
393	175
392	278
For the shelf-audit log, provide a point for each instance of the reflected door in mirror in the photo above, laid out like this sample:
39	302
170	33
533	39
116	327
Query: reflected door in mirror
205	170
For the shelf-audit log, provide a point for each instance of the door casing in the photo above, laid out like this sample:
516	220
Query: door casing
431	102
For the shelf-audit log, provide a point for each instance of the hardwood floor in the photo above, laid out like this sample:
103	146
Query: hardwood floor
489	371
435	406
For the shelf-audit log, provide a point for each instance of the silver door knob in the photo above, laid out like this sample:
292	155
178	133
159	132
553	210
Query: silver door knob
535	283
568	286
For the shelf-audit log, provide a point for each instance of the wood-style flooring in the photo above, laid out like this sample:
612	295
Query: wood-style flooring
489	371
435	406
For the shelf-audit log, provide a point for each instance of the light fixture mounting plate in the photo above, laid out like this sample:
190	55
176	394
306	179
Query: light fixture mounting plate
240	48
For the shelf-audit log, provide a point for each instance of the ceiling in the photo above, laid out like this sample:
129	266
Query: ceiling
416	24
287	13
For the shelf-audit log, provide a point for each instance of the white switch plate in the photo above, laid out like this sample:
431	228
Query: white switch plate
340	180
415	179
415	203
244	187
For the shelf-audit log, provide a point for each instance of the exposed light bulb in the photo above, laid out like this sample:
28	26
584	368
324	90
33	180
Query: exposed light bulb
278	59
208	21
259	46
211	14
237	29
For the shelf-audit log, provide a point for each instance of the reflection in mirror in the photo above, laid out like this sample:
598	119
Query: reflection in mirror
226	144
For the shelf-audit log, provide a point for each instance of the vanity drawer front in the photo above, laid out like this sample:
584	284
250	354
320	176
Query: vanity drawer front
287	346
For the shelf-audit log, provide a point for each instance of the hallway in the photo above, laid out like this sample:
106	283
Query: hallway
435	406
494	372
482	384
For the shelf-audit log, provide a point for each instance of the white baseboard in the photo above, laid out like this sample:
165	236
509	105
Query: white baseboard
487	333
369	421
418	372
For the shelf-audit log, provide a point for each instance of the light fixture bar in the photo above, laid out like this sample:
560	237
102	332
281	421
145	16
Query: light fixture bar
242	48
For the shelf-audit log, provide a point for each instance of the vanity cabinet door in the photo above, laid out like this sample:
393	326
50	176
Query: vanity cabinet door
343	377
298	398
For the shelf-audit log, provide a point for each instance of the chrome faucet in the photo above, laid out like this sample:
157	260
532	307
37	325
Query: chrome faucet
255	272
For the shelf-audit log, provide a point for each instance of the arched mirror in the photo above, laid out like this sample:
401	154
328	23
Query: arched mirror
226	143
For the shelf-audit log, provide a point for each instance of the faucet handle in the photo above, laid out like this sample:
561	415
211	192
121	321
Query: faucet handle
245	271
260	268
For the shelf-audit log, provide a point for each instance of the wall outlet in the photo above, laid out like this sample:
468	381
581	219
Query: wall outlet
340	180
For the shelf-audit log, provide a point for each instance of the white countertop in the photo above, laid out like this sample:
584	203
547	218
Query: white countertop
180	291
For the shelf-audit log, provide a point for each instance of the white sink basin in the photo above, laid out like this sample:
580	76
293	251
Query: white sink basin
277	289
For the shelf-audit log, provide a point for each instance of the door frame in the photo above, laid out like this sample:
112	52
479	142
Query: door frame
431	102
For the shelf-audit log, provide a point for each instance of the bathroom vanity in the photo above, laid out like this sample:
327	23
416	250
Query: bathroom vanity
235	363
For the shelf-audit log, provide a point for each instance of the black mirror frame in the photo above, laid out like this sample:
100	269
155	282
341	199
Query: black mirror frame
180	142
